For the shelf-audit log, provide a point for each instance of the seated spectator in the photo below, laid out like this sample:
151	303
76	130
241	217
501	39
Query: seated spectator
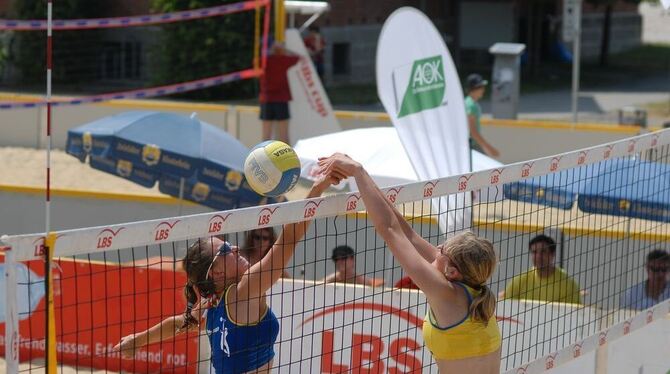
655	289
544	281
344	258
257	243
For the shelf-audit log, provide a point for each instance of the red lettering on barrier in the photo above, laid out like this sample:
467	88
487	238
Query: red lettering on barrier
310	212
327	344
366	349
411	363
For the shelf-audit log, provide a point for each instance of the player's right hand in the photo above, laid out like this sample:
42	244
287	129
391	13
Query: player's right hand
127	346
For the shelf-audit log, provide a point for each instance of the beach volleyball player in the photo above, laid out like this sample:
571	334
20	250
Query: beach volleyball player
460	327
230	297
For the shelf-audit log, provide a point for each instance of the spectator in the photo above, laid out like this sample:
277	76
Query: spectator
655	289
257	243
544	281
344	258
316	46
275	92
476	86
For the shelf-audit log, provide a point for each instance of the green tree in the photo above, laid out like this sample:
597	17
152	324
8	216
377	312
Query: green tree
208	47
72	52
608	7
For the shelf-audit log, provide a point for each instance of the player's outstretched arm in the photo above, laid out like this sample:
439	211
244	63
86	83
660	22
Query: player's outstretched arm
164	330
262	275
386	222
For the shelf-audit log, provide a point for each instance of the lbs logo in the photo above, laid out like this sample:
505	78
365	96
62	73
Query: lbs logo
392	194
607	152
163	230
216	223
581	157
106	236
265	216
576	350
525	169
495	176
352	202
463	182
555	162
428	188
402	354
310	208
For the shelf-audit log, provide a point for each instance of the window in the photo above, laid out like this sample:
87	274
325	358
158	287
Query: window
341	58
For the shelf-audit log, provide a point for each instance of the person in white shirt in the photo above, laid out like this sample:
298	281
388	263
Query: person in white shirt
655	289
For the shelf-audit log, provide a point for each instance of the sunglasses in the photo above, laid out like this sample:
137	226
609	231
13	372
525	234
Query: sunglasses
261	237
221	251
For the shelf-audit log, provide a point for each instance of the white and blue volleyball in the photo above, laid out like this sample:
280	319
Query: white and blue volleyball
272	168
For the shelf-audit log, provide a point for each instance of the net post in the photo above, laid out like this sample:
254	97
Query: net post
280	20
11	312
50	338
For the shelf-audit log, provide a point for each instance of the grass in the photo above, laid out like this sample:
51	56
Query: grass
644	57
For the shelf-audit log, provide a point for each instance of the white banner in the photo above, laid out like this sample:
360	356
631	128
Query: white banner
420	89
311	112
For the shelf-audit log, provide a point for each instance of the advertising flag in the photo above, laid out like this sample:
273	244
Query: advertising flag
419	87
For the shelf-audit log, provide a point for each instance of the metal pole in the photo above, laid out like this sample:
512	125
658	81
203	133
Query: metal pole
576	49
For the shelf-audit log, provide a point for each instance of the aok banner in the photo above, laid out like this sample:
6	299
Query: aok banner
323	328
419	87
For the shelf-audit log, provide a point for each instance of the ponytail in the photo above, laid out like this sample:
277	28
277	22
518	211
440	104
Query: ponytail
483	306
191	299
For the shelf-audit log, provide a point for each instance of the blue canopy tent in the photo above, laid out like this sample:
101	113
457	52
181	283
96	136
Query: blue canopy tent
622	187
189	159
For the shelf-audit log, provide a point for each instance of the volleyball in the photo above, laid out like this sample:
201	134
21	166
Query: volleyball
272	168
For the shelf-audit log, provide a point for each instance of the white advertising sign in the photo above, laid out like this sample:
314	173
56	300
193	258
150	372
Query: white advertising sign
420	89
572	13
311	111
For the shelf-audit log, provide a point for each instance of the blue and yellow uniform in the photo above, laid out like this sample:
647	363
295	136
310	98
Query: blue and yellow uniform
238	348
464	339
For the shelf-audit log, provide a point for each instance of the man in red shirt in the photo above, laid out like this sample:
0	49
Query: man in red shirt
275	92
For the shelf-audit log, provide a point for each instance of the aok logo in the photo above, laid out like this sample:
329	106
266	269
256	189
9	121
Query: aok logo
550	361
392	194
106	236
265	216
602	338
631	146
428	188
402	354
463	182
581	157
650	316
525	169
216	223
311	207
352	202
555	162
576	350
608	151
626	327
426	86
494	178
163	230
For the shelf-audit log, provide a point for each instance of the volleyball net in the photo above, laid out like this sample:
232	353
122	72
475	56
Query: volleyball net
606	207
206	52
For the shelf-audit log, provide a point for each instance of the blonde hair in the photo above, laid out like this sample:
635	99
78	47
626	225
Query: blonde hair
476	260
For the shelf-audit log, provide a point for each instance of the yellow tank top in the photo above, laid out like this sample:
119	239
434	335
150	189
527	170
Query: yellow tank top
467	338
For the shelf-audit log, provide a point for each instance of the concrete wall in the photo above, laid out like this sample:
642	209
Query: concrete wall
517	140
